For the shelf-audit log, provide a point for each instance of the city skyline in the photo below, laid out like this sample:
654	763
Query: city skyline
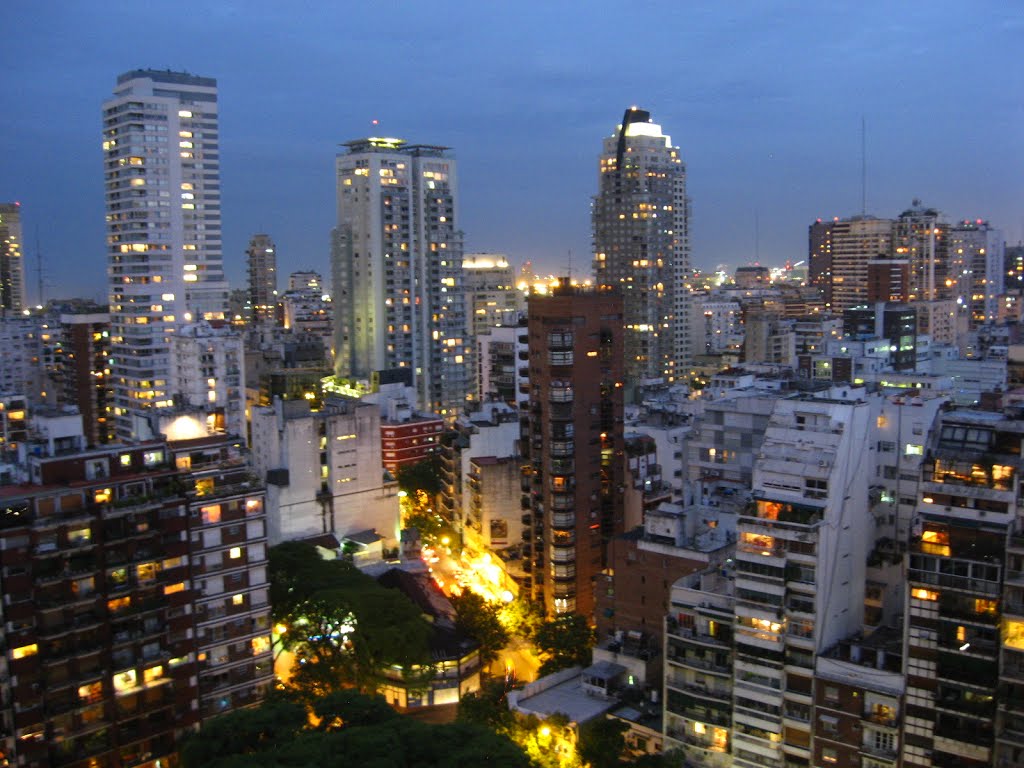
765	105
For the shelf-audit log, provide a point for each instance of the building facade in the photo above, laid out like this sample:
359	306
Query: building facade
261	262
161	163
642	247
12	259
397	270
573	443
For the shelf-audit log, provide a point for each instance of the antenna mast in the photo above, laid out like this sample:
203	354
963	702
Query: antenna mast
39	269
863	168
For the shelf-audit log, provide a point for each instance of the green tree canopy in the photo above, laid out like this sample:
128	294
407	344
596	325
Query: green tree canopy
564	641
363	731
344	627
423	476
479	619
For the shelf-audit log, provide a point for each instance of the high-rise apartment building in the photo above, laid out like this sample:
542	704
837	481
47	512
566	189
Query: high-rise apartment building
854	243
492	298
397	270
800	572
819	258
161	163
79	371
642	246
978	252
12	264
261	259
921	236
573	443
135	598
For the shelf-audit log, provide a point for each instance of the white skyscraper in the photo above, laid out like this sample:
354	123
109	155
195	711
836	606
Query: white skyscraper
161	163
397	270
642	245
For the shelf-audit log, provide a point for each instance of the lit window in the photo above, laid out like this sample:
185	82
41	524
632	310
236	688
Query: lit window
235	552
126	459
211	514
237	599
171	589
152	674
125	681
24	651
184	113
924	594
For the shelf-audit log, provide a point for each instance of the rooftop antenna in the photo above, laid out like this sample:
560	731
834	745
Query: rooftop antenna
570	266
757	238
863	168
39	268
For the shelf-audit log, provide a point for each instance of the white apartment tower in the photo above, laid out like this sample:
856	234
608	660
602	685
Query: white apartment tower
978	251
800	570
397	270
161	163
642	247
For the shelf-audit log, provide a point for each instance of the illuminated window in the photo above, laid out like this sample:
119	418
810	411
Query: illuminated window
260	645
935	543
699	728
125	681
237	599
211	514
913	450
125	459
101	495
145	572
90	693
152	458
235	552
170	589
24	651
924	594
152	674
118	604
989	607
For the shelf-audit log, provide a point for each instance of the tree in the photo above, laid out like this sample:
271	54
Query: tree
358	728
601	742
479	619
245	731
343	626
488	707
423	476
522	617
564	641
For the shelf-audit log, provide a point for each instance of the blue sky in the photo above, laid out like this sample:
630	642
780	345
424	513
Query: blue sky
765	101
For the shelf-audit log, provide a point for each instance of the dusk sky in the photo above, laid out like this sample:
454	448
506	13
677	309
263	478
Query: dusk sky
765	101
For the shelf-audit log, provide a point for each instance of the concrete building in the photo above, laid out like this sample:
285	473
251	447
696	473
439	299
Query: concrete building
642	246
261	264
502	360
79	372
978	252
161	163
921	236
323	469
397	270
800	568
22	369
209	376
573	442
492	298
718	325
12	260
856	241
136	599
819	258
963	606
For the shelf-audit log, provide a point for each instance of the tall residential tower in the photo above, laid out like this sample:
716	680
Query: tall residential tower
642	245
261	259
12	266
161	164
397	270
